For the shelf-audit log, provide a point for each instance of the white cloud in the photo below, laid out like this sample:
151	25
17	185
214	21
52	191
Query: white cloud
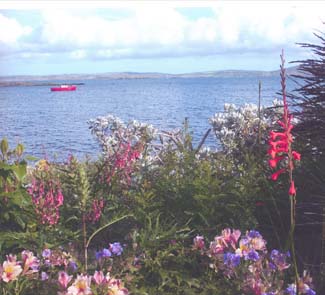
12	30
163	31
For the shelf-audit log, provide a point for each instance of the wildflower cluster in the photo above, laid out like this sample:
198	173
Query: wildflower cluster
58	258
85	284
246	259
48	269
12	268
46	194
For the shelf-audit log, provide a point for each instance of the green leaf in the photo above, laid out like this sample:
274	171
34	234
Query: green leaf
4	147
20	171
31	158
19	149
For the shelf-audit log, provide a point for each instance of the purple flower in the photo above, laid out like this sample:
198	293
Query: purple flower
106	253
73	265
46	253
254	234
291	290
279	259
252	255
44	276
103	254
99	255
310	292
231	260
116	248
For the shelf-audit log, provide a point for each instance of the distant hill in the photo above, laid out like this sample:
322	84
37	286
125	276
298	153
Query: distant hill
40	80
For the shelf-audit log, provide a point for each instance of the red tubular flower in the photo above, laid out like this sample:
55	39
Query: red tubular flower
296	155
279	143
272	153
275	135
274	162
275	175
292	189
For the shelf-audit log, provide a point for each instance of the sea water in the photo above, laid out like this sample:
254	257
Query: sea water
55	123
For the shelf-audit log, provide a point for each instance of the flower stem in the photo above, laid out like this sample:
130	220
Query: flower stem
84	234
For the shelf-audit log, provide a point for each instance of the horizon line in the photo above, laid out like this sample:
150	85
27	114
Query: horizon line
133	72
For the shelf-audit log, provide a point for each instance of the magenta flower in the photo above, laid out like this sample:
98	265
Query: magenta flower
47	198
198	243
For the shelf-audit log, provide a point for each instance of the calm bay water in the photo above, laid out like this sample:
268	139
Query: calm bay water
56	122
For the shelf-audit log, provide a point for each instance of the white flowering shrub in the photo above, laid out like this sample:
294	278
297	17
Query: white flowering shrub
242	126
113	135
110	131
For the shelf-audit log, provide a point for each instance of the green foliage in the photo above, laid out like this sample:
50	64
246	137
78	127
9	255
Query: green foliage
17	223
182	191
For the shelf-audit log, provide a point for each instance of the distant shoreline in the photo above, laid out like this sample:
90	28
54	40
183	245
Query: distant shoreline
37	80
29	83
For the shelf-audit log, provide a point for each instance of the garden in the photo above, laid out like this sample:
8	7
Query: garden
157	214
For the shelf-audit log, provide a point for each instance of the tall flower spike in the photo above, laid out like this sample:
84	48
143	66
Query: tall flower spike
280	142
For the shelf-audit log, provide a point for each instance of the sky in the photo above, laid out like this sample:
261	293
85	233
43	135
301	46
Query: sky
60	37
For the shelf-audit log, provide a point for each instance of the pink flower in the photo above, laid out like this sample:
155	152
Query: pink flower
115	287
10	269
47	198
81	286
230	237
198	242
217	247
98	277
30	261
64	279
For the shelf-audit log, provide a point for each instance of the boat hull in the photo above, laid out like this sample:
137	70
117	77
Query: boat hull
69	88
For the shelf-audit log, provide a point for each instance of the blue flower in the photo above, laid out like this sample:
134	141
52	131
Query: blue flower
311	292
99	255
253	255
106	253
254	234
274	254
291	290
230	259
116	248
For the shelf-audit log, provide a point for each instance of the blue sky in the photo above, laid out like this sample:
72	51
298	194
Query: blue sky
56	37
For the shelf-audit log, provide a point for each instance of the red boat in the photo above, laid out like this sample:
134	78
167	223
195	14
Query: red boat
64	88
